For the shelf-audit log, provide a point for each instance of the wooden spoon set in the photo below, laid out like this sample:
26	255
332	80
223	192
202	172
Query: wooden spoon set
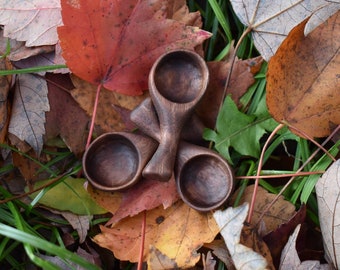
117	160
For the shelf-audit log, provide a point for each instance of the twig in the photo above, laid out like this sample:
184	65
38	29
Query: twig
296	174
35	190
142	242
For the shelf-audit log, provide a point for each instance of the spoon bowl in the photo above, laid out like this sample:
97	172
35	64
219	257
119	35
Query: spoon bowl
114	161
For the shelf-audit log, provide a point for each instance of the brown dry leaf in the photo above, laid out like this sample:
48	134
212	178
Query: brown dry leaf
220	250
271	21
5	84
145	195
303	79
279	213
107	118
290	259
277	239
33	21
328	191
241	78
230	222
208	262
28	110
177	232
80	223
251	239
65	117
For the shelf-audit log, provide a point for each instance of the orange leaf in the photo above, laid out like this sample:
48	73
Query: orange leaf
115	43
177	232
303	79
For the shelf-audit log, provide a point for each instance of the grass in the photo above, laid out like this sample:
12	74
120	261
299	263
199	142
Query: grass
25	230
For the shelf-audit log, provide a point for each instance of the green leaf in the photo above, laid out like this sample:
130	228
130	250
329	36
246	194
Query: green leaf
69	195
237	130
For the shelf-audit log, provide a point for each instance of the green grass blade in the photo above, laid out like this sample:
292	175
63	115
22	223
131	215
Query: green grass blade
30	70
40	243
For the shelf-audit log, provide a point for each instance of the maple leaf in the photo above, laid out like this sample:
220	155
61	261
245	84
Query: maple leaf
238	130
115	43
32	21
177	232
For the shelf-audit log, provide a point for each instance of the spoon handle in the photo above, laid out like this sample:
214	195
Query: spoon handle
160	167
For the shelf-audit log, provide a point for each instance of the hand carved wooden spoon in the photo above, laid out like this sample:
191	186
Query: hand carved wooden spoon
177	81
204	179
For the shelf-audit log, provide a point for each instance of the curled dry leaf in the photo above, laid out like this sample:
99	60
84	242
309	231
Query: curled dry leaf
230	222
270	21
177	232
303	79
328	191
28	110
290	258
33	21
115	43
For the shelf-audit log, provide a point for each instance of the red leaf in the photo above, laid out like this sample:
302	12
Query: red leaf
145	195
115	43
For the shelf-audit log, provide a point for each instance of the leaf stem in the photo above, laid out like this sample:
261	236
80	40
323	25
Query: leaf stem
244	34
95	106
142	242
299	170
252	204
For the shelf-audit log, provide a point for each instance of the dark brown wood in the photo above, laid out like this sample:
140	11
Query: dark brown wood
177	81
204	179
145	117
115	161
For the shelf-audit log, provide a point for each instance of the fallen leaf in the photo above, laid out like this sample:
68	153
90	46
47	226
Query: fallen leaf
277	239
291	260
327	191
280	212
230	222
236	129
158	261
32	21
303	79
250	238
270	21
107	118
145	195
208	262
108	200
28	110
115	43
5	84
78	200
242	77
321	15
81	223
220	250
177	232
65	117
